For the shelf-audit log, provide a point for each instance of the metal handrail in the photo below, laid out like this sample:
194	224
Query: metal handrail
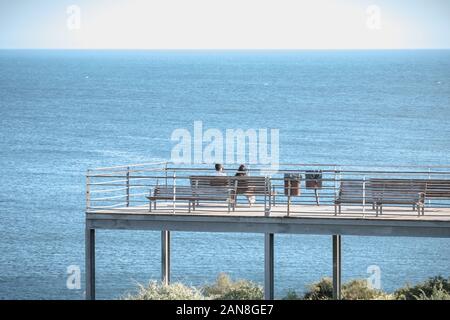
109	182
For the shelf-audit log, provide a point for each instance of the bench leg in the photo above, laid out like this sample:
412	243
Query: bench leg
189	205
376	209
340	209
150	206
335	209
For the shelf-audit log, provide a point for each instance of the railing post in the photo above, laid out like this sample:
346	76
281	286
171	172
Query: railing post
265	197
128	187
335	183
289	198
88	190
364	196
337	264
429	178
165	170
174	191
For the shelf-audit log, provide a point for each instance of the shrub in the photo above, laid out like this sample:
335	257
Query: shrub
437	294
160	291
292	295
353	290
226	289
359	290
433	288
322	290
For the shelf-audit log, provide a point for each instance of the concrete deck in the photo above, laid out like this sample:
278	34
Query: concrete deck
303	219
296	211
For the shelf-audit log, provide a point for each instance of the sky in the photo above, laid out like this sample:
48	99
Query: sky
224	24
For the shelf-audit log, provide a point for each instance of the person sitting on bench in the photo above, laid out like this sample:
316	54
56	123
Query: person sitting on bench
219	170
243	185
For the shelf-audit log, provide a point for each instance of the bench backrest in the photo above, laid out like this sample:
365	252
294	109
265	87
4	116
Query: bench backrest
168	191
355	191
240	184
211	186
398	190
436	188
256	185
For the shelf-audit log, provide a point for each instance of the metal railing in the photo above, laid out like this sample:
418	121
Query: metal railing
292	188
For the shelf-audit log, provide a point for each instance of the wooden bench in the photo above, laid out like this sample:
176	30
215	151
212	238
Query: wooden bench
237	185
399	192
254	186
213	188
353	192
437	189
171	192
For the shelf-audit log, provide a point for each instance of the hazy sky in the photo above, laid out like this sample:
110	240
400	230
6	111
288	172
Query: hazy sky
225	24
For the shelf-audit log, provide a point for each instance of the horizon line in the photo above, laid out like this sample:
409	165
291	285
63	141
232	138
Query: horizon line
229	49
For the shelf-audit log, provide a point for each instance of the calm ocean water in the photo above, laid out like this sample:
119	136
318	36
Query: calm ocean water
65	111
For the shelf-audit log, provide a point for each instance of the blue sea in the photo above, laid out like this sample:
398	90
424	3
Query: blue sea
62	112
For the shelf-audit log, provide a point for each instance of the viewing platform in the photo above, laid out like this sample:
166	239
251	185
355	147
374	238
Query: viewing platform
321	199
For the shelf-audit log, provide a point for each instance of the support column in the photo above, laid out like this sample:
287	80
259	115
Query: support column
90	263
268	266
337	266
165	256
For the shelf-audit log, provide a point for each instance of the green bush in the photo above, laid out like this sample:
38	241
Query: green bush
321	290
292	295
353	290
436	288
358	290
226	289
160	291
436	294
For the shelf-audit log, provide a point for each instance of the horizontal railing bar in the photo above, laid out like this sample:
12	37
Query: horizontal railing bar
132	177
110	206
121	185
109	198
120	196
105	182
130	165
331	178
107	190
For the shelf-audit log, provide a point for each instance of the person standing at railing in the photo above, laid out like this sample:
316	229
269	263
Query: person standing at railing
243	187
